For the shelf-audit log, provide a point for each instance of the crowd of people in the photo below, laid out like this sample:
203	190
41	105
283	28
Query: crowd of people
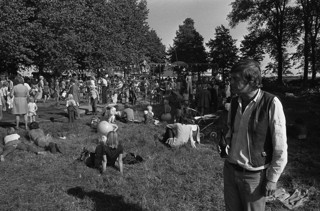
256	144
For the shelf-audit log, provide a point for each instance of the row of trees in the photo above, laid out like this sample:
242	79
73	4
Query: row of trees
94	34
76	34
273	25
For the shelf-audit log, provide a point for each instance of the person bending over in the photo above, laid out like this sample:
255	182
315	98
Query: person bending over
178	134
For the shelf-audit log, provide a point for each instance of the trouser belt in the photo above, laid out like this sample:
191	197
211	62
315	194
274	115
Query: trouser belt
241	169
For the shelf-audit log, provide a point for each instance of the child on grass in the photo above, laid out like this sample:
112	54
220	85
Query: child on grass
71	107
94	98
46	91
108	152
148	115
32	110
12	142
111	115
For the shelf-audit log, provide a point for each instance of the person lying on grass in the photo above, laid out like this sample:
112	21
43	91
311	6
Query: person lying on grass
38	137
178	134
108	152
12	142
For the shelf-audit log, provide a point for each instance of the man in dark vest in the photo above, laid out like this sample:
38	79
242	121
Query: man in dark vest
257	141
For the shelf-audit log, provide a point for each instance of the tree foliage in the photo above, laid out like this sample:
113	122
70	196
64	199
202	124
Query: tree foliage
252	46
72	34
309	24
272	19
187	45
223	50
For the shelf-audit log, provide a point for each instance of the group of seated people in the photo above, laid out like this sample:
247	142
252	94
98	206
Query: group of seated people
38	142
127	115
109	151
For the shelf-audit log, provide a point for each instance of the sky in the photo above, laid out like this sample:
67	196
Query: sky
165	16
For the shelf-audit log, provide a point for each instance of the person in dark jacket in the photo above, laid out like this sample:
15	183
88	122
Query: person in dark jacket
257	151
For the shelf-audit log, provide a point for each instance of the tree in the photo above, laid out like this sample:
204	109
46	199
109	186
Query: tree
310	11
272	18
76	34
252	46
223	50
188	45
15	40
154	50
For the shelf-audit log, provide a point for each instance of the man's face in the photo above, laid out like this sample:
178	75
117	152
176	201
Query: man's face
238	84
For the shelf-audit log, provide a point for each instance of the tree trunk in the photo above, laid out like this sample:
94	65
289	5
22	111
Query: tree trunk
313	61
280	61
306	51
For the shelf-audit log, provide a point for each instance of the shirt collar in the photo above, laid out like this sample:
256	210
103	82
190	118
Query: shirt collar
255	99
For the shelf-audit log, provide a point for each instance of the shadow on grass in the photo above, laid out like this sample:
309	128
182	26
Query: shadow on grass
104	201
7	124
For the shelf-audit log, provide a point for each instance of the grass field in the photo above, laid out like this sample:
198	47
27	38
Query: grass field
168	179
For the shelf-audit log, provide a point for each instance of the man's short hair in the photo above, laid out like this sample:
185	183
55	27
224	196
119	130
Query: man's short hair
250	70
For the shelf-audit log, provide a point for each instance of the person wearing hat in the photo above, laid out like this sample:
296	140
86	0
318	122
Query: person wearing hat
94	98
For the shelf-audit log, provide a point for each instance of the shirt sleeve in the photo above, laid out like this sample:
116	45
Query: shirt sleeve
172	126
277	125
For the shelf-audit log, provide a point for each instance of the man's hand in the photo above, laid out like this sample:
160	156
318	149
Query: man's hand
270	188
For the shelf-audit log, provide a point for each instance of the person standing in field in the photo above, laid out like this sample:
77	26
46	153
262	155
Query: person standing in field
74	90
94	98
32	110
20	103
257	141
2	102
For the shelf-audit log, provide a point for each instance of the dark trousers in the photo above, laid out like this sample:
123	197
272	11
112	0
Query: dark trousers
104	94
21	146
72	112
168	134
243	190
94	105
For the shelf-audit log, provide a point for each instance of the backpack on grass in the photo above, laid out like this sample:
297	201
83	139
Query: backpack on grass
87	157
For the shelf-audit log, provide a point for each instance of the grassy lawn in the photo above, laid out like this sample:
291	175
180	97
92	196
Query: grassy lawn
168	179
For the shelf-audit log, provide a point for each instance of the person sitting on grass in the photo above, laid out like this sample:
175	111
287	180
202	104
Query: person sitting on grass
108	152
127	115
71	107
111	115
178	134
38	137
12	142
32	110
148	115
